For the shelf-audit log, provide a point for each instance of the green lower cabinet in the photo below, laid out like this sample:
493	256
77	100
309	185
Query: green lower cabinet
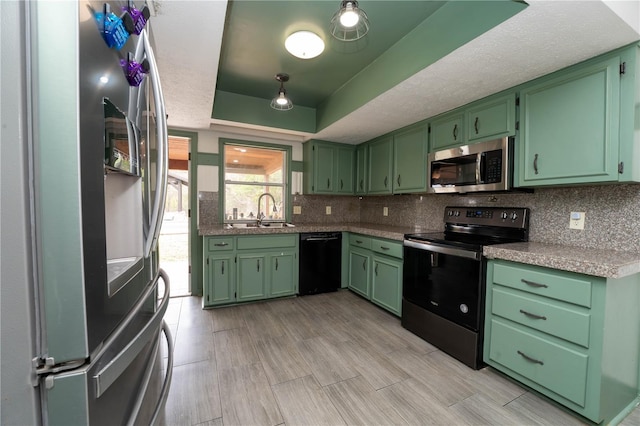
251	277
283	274
375	271
220	284
359	266
248	268
386	283
572	337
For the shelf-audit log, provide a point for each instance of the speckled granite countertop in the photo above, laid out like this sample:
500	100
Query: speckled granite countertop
374	230
600	263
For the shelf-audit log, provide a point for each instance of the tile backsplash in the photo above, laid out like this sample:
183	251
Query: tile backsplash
612	212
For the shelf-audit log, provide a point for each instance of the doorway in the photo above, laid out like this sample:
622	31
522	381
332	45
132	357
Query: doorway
174	234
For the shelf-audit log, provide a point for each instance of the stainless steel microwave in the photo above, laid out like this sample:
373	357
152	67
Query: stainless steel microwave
483	166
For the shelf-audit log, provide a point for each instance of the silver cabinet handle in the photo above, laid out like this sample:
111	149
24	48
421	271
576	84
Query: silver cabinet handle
534	316
221	244
533	284
528	358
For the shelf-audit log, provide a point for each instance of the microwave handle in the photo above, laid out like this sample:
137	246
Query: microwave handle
480	167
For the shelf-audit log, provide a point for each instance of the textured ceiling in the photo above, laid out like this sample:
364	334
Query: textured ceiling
546	36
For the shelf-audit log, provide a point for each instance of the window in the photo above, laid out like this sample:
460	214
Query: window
255	174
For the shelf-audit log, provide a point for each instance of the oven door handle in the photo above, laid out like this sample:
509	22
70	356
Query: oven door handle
437	248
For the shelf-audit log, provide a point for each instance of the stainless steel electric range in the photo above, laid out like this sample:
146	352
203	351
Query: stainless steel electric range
444	277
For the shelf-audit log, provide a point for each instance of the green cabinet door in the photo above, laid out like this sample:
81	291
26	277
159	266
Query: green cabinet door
344	175
410	160
219	281
251	277
447	132
492	119
361	169
386	283
324	168
381	166
283	274
569	127
359	265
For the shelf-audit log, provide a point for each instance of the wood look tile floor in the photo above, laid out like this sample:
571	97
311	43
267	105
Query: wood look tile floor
330	359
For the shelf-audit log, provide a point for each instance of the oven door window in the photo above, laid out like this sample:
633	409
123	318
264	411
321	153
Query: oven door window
447	285
456	171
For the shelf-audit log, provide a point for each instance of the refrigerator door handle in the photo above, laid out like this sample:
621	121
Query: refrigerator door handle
163	150
110	372
164	392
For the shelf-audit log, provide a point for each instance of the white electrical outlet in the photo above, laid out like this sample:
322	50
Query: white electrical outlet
327	210
576	220
385	211
297	209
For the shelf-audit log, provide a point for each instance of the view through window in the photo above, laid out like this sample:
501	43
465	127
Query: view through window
254	175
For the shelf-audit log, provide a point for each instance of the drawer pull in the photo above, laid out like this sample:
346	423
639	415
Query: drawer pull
359	241
221	244
528	358
534	284
384	248
530	315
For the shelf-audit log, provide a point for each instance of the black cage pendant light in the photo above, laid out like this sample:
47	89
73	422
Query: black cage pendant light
349	23
281	102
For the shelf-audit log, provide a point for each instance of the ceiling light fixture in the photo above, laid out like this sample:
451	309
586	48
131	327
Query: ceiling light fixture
349	23
304	44
281	102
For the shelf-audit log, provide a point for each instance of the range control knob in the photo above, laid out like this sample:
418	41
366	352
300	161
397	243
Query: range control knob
504	215
456	213
514	216
450	213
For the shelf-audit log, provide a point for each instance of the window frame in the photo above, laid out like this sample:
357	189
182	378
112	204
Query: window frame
286	184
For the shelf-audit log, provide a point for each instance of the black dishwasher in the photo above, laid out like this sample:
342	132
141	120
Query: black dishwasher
320	262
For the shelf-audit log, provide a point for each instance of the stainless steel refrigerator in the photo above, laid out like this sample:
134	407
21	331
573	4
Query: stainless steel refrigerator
83	295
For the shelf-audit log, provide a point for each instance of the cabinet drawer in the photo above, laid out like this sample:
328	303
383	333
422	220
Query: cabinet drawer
267	241
542	314
569	287
390	248
360	240
553	366
220	244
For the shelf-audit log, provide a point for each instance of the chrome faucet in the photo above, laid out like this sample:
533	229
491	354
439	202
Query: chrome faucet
261	215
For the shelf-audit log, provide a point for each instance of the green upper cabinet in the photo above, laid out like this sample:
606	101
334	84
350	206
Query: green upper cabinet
380	171
397	162
345	161
447	131
328	168
361	169
569	126
410	160
491	119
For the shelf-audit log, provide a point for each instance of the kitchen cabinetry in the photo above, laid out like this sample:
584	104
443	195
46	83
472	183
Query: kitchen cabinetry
490	118
328	168
574	338
252	267
397	163
569	126
375	270
361	169
380	171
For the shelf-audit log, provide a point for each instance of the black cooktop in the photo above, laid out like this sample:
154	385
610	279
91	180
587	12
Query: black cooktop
474	227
